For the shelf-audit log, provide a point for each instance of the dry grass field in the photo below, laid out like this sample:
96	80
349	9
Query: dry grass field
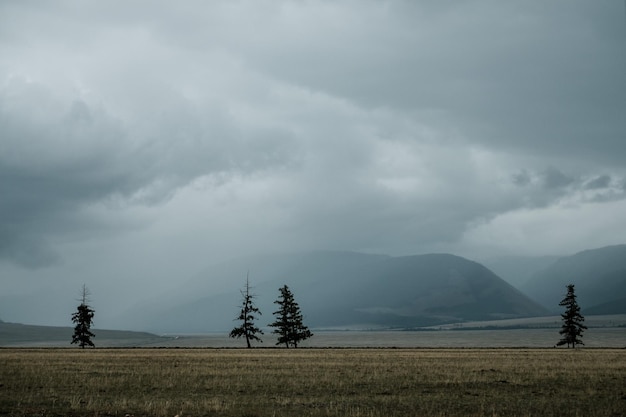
313	382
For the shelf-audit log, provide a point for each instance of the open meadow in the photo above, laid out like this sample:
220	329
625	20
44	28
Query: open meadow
313	382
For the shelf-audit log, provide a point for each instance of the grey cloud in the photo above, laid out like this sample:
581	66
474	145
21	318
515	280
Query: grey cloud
60	155
30	252
603	181
140	102
543	188
555	179
529	77
521	178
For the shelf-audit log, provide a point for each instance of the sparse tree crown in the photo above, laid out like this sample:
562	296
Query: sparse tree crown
573	326
247	317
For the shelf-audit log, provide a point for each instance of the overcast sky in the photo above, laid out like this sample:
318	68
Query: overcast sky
141	141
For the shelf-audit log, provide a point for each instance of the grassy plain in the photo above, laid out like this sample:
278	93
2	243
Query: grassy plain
313	382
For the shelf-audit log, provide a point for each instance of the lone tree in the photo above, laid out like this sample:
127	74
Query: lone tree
247	317
83	317
288	324
573	326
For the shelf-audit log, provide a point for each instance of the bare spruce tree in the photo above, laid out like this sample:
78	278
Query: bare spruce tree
573	326
289	327
83	318
247	317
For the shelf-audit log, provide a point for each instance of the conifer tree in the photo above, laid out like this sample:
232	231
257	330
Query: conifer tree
83	317
289	327
247	317
573	326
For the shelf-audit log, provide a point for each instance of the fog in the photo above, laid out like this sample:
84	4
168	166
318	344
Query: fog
142	142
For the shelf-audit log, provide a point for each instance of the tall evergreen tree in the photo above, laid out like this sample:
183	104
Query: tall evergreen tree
289	327
573	326
83	317
247	317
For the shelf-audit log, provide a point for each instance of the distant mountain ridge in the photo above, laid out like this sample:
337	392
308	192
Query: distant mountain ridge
352	290
349	290
423	290
598	274
518	270
16	334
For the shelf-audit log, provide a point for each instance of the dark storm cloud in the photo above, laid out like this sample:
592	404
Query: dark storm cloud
59	156
555	179
521	178
46	168
390	126
603	181
543	78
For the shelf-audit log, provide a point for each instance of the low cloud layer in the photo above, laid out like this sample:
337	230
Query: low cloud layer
147	138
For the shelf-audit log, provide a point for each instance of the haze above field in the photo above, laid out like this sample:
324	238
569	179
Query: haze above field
348	290
141	143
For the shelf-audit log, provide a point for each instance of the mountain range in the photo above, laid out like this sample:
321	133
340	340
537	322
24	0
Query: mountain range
350	290
14	334
599	276
354	290
347	290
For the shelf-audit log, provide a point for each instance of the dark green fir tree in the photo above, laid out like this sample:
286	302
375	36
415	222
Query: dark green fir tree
83	318
289	321
572	330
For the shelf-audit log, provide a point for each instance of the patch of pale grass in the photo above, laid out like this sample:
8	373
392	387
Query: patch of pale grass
313	382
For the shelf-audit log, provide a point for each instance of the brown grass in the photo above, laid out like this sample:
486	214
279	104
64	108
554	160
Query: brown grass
313	382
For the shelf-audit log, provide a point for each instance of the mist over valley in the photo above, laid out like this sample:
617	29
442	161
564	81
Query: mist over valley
339	291
398	164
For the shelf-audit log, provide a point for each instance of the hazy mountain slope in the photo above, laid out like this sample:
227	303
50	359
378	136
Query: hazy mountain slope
427	289
518	270
617	306
14	334
345	289
309	266
598	274
202	306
